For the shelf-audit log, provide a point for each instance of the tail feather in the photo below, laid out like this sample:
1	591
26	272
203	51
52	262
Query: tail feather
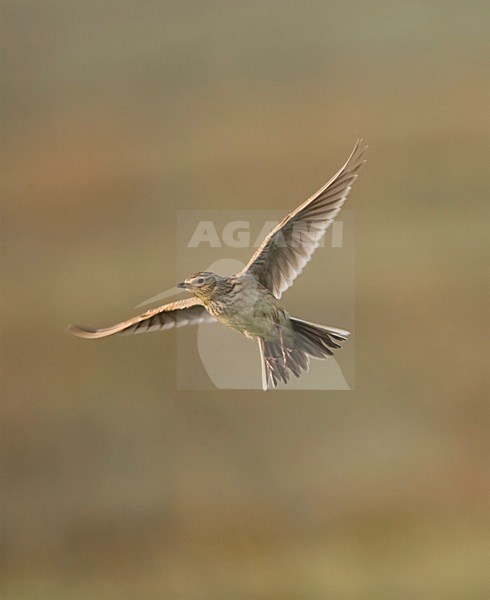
292	353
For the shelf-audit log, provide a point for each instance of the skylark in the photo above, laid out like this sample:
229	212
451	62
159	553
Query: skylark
249	301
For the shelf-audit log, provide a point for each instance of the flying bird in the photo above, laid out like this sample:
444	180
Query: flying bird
249	300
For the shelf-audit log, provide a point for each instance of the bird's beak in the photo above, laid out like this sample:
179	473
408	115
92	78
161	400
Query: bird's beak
183	285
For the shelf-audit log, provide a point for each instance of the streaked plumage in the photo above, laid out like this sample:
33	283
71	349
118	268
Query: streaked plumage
248	301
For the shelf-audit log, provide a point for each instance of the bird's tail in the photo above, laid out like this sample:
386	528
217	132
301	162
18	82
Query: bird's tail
292	354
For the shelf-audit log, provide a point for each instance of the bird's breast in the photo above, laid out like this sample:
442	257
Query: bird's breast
249	309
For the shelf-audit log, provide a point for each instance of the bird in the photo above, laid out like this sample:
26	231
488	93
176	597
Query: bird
249	301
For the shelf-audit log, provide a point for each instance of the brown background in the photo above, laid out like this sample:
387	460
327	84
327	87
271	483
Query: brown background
115	115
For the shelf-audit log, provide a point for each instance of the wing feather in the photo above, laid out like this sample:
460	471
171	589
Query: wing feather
289	246
176	314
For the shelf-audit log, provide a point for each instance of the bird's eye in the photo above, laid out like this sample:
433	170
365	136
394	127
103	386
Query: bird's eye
200	280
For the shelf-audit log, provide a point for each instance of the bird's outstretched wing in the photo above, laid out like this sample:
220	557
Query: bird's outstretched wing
289	246
176	314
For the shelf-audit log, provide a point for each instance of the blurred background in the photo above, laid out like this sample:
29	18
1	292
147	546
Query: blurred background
116	114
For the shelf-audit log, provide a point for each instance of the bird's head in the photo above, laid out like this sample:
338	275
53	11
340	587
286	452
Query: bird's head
202	284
